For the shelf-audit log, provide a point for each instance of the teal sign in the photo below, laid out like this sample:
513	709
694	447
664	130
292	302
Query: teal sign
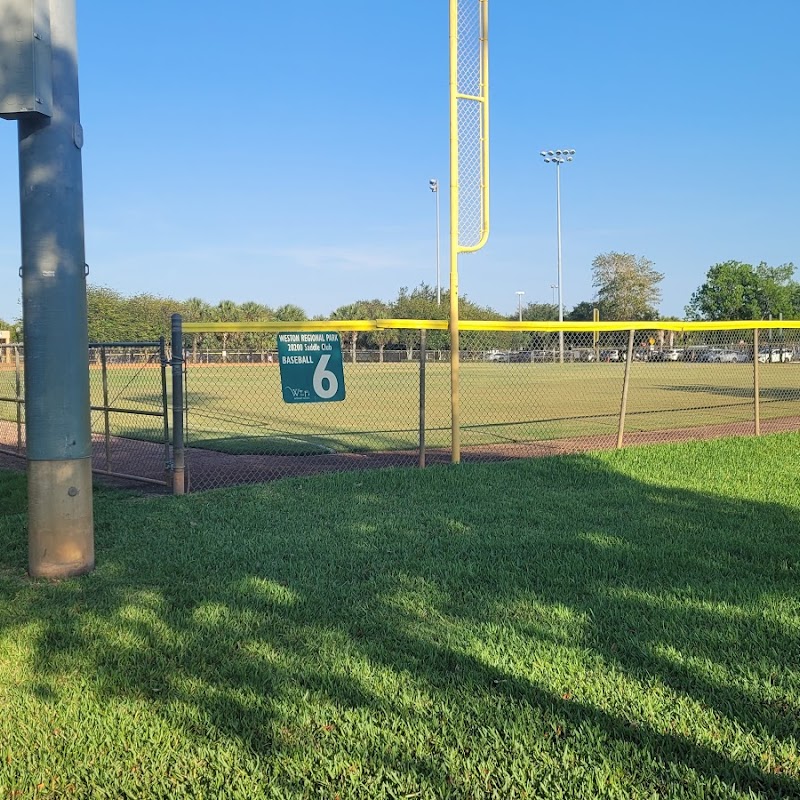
311	367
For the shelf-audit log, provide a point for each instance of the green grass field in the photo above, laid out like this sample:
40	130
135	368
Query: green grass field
622	625
239	408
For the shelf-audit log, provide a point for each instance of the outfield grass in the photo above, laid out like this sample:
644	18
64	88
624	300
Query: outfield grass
624	625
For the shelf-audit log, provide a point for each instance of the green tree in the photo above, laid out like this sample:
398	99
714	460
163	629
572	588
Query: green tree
420	303
14	329
151	316
538	312
196	310
735	290
225	311
535	340
290	313
352	311
583	312
627	286
110	317
377	309
251	311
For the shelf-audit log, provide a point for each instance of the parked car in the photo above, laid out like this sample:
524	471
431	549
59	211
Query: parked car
731	356
664	355
497	355
774	355
519	357
712	355
609	355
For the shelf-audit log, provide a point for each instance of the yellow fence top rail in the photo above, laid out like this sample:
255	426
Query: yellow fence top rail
279	327
476	325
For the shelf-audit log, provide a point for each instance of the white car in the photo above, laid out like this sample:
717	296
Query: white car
775	355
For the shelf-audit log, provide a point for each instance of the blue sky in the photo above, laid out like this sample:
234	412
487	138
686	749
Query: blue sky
281	152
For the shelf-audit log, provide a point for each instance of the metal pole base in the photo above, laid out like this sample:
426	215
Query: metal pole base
60	520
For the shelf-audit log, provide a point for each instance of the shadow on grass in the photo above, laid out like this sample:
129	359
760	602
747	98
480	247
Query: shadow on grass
480	623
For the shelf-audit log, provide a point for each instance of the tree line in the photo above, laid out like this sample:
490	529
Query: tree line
627	287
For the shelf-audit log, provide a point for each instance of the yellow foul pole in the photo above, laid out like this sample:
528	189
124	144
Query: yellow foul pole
475	43
455	407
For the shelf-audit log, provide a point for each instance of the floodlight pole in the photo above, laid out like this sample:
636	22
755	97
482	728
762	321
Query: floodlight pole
57	424
519	304
559	157
434	184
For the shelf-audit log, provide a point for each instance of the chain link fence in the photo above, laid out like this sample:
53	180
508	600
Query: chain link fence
130	410
616	387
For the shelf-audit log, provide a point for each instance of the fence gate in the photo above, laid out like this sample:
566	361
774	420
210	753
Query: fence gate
129	408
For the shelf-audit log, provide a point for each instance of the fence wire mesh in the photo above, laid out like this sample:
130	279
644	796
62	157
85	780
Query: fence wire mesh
129	408
12	399
517	400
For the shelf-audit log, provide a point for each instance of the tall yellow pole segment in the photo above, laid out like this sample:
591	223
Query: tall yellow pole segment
469	164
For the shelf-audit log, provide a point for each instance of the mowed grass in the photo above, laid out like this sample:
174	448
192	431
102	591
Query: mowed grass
623	625
239	408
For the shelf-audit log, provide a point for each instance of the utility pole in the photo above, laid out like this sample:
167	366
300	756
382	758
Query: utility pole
39	89
559	157
434	184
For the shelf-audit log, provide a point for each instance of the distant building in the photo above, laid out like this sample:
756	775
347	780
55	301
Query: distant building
5	353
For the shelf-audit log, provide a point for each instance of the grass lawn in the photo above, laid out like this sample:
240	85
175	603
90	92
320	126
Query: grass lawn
622	625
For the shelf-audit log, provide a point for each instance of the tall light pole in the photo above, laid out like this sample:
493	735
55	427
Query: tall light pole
519	304
554	286
559	157
434	184
39	89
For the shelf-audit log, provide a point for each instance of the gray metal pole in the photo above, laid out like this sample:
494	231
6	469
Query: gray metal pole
178	453
560	281
434	185
162	350
756	386
106	407
438	251
57	423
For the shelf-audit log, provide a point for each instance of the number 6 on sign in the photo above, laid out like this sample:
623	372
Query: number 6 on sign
322	375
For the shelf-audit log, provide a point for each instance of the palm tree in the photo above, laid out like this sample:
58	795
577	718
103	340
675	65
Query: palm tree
357	310
196	310
256	312
226	311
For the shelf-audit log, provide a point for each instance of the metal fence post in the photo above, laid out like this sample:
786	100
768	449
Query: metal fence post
423	358
756	385
18	394
625	384
162	348
106	415
178	454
